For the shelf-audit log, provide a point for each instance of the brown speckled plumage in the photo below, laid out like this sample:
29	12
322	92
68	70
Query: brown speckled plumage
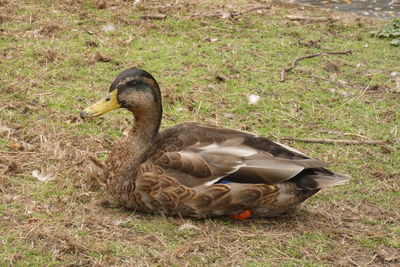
179	170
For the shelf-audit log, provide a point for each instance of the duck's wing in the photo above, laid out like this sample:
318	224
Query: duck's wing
198	154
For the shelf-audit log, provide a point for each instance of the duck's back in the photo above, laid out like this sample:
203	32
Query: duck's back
197	154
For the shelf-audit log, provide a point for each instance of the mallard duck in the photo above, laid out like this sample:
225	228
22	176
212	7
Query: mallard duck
200	170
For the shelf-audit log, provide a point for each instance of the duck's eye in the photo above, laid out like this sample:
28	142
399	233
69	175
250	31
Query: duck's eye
132	84
108	98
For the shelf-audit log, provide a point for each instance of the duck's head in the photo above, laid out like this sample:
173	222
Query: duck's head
133	89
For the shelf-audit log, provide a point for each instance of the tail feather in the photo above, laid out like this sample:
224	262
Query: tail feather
326	180
319	179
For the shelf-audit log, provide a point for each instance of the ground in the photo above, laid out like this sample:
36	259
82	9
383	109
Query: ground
57	57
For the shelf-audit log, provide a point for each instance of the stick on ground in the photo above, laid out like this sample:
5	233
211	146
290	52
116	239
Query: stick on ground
302	18
337	141
294	63
231	14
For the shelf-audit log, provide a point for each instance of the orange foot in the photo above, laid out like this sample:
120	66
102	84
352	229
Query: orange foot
242	216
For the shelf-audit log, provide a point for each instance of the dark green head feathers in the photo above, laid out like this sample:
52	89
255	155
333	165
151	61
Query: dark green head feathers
131	89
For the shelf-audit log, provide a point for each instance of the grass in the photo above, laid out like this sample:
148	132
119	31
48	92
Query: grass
56	59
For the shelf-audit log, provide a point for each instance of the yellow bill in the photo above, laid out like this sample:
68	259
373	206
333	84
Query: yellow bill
103	106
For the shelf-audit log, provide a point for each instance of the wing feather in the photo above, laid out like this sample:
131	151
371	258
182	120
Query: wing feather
207	153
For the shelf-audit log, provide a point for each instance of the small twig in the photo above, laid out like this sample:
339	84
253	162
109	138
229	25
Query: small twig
21	152
217	29
235	14
302	18
373	258
341	133
42	94
231	14
294	63
353	262
154	16
34	227
336	141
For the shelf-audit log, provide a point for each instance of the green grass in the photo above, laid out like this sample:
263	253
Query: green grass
51	60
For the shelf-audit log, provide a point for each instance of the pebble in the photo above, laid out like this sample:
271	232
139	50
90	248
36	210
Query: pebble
228	115
253	99
188	226
226	15
340	92
4	131
108	28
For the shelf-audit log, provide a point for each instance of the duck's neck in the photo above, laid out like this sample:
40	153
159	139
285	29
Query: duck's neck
123	163
145	129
